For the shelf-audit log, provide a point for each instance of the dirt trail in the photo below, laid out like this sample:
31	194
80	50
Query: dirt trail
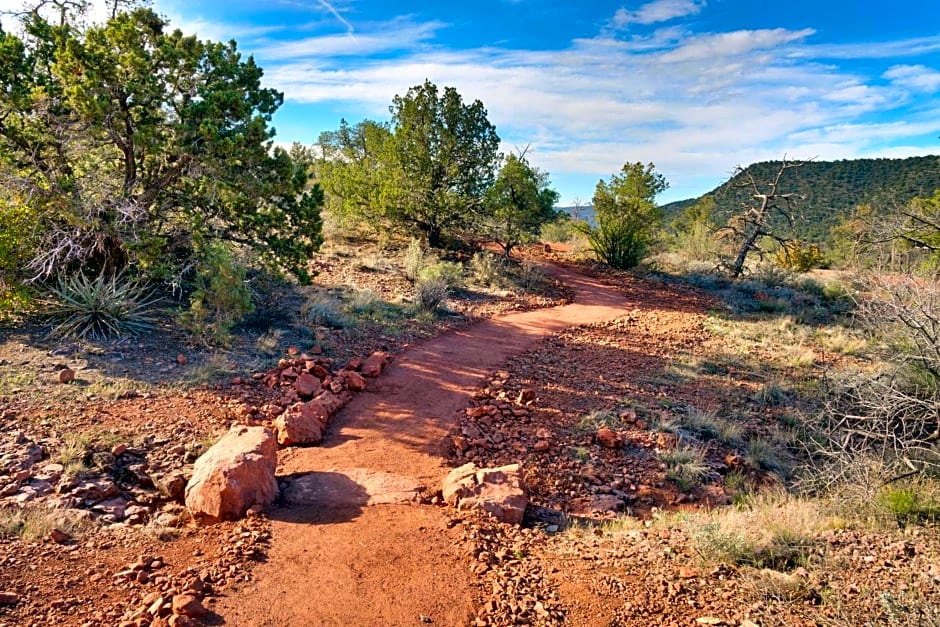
336	558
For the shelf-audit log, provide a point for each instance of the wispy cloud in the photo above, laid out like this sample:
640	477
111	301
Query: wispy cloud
916	77
657	11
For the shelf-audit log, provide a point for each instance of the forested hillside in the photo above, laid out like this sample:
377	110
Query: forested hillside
828	190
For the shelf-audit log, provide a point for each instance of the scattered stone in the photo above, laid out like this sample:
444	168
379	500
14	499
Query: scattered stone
181	359
608	438
374	364
189	605
58	536
498	491
234	474
66	375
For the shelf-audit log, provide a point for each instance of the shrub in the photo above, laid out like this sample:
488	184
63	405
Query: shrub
560	230
450	272
221	299
488	269
108	305
323	310
685	465
620	244
909	505
430	295
413	261
799	257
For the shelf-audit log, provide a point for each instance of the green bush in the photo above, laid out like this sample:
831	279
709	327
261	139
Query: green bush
620	243
106	306
450	272
488	269
323	310
560	230
413	261
222	298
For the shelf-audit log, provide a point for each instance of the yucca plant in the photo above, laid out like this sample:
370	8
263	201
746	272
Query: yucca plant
101	307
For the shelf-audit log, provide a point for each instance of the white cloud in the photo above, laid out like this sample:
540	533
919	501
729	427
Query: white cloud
393	36
915	77
657	11
714	47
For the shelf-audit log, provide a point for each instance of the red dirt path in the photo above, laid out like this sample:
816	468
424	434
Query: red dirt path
348	563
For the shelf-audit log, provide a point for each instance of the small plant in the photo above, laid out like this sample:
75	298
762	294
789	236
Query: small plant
488	270
598	418
102	307
710	426
764	454
531	275
323	310
413	261
685	465
35	523
798	256
431	295
222	297
770	395
909	505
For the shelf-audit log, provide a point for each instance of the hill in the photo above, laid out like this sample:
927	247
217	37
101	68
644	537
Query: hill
828	190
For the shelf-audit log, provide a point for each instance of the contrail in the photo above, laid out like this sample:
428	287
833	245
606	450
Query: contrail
329	7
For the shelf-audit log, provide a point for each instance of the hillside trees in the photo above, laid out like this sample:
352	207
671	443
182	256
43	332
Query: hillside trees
128	144
426	173
518	203
627	215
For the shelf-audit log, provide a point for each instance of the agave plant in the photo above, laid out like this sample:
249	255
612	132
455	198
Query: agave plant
105	306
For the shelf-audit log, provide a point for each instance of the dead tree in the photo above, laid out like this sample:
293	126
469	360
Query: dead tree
753	222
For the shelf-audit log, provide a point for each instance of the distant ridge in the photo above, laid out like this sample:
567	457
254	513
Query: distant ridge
829	190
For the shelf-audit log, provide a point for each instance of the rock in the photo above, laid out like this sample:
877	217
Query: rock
525	397
119	449
179	620
542	445
173	485
498	491
608	438
307	385
58	536
374	364
66	375
353	380
9	598
300	424
181	359
234	474
189	605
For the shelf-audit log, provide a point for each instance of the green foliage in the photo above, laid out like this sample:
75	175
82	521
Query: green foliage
829	191
798	256
908	505
425	173
627	216
559	230
221	299
685	465
489	270
518	203
450	272
105	306
414	260
131	140
431	295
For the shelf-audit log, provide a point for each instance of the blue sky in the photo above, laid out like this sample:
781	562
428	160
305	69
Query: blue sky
695	86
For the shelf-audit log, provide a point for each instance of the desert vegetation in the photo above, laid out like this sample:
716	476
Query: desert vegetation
754	434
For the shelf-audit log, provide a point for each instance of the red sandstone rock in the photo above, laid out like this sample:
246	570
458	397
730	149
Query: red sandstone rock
307	385
498	491
234	474
608	438
374	363
66	375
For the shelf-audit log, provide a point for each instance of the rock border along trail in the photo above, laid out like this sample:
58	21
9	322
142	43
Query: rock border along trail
349	546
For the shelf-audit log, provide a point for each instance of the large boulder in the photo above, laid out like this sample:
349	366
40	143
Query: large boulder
235	474
498	491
